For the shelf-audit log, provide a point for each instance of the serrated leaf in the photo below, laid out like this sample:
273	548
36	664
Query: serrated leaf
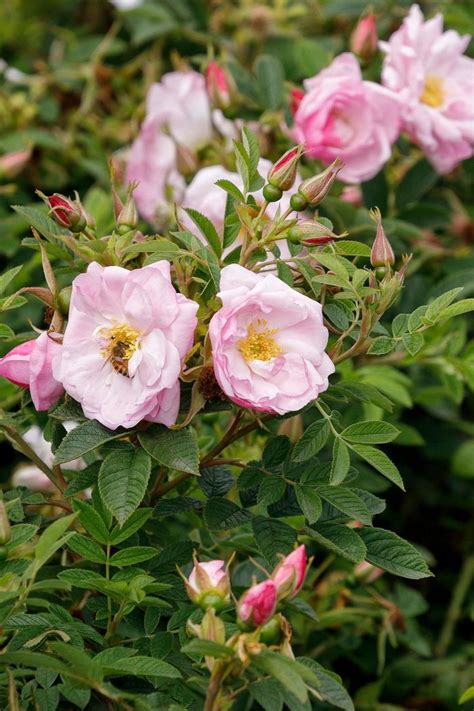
176	449
334	264
330	685
207	229
413	342
283	669
123	480
8	276
220	514
388	551
216	481
270	490
350	248
460	307
40	221
382	345
85	438
83	480
133	524
47	542
276	451
340	463
370	432
309	502
399	324
205	647
231	189
176	505
347	501
379	460
339	539
273	537
441	302
133	555
269	72
87	548
142	666
91	520
312	441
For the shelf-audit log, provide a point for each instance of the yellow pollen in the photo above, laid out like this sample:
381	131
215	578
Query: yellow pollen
123	342
259	345
433	91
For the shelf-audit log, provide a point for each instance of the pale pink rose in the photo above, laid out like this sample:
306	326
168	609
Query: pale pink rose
268	343
426	68
177	113
289	574
29	365
353	195
127	335
258	603
342	115
208	577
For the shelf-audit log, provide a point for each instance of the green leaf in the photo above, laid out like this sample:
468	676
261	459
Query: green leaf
48	541
460	307
370	432
334	264
441	302
330	685
271	490
221	513
400	324
176	449
467	695
267	694
312	441
133	555
123	480
380	462
133	524
83	480
270	78
276	451
206	228
40	221
415	183
273	537
388	551
216	481
341	462
347	501
176	505
283	669
142	666
85	438
7	277
340	539
382	345
309	502
204	647
87	548
350	248
231	189
413	342
6	331
91	520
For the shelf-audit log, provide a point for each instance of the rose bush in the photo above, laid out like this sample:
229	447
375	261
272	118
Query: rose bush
234	388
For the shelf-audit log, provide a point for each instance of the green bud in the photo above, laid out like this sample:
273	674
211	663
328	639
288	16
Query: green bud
272	193
298	202
5	531
270	632
64	300
212	599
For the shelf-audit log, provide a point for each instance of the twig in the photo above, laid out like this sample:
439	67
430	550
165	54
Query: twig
455	606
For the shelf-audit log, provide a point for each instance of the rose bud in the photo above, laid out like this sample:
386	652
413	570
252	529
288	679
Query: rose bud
217	85
208	584
66	212
353	195
296	97
11	164
128	217
311	233
382	253
282	174
258	603
363	40
365	572
315	189
5	530
400	275
289	574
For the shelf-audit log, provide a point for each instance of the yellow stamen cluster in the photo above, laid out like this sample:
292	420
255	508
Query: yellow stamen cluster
433	91
123	342
259	344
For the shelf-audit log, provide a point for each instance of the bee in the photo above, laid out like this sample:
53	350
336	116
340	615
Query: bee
119	356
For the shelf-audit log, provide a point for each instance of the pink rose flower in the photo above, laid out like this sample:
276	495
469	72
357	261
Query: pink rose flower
30	366
364	38
342	115
177	113
208	577
258	603
426	68
268	343
289	575
127	335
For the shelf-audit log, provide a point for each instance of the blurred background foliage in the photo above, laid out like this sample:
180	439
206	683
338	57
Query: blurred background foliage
73	79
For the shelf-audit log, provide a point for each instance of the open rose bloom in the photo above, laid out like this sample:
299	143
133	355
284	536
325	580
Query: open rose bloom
126	338
425	67
268	343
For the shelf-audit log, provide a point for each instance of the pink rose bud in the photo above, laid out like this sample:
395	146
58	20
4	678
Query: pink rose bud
128	217
66	212
400	275
353	195
315	189
30	366
289	574
11	164
296	97
364	38
382	253
366	572
217	85
311	233
258	603
208	584
283	173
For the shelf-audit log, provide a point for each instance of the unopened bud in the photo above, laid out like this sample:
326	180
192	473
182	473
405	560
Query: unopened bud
298	202
315	189
186	160
296	97
258	603
311	233
11	164
217	84
381	254
271	193
406	259
128	217
64	300
5	531
66	212
208	584
290	573
364	38
283	173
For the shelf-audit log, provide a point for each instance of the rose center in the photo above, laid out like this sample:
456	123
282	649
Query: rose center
433	91
259	344
122	342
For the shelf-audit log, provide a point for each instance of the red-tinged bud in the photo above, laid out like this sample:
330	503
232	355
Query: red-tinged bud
283	173
353	195
315	189
217	84
66	212
11	164
406	259
5	530
365	572
312	234
289	574
208	584
128	217
382	253
364	38
258	603
296	97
